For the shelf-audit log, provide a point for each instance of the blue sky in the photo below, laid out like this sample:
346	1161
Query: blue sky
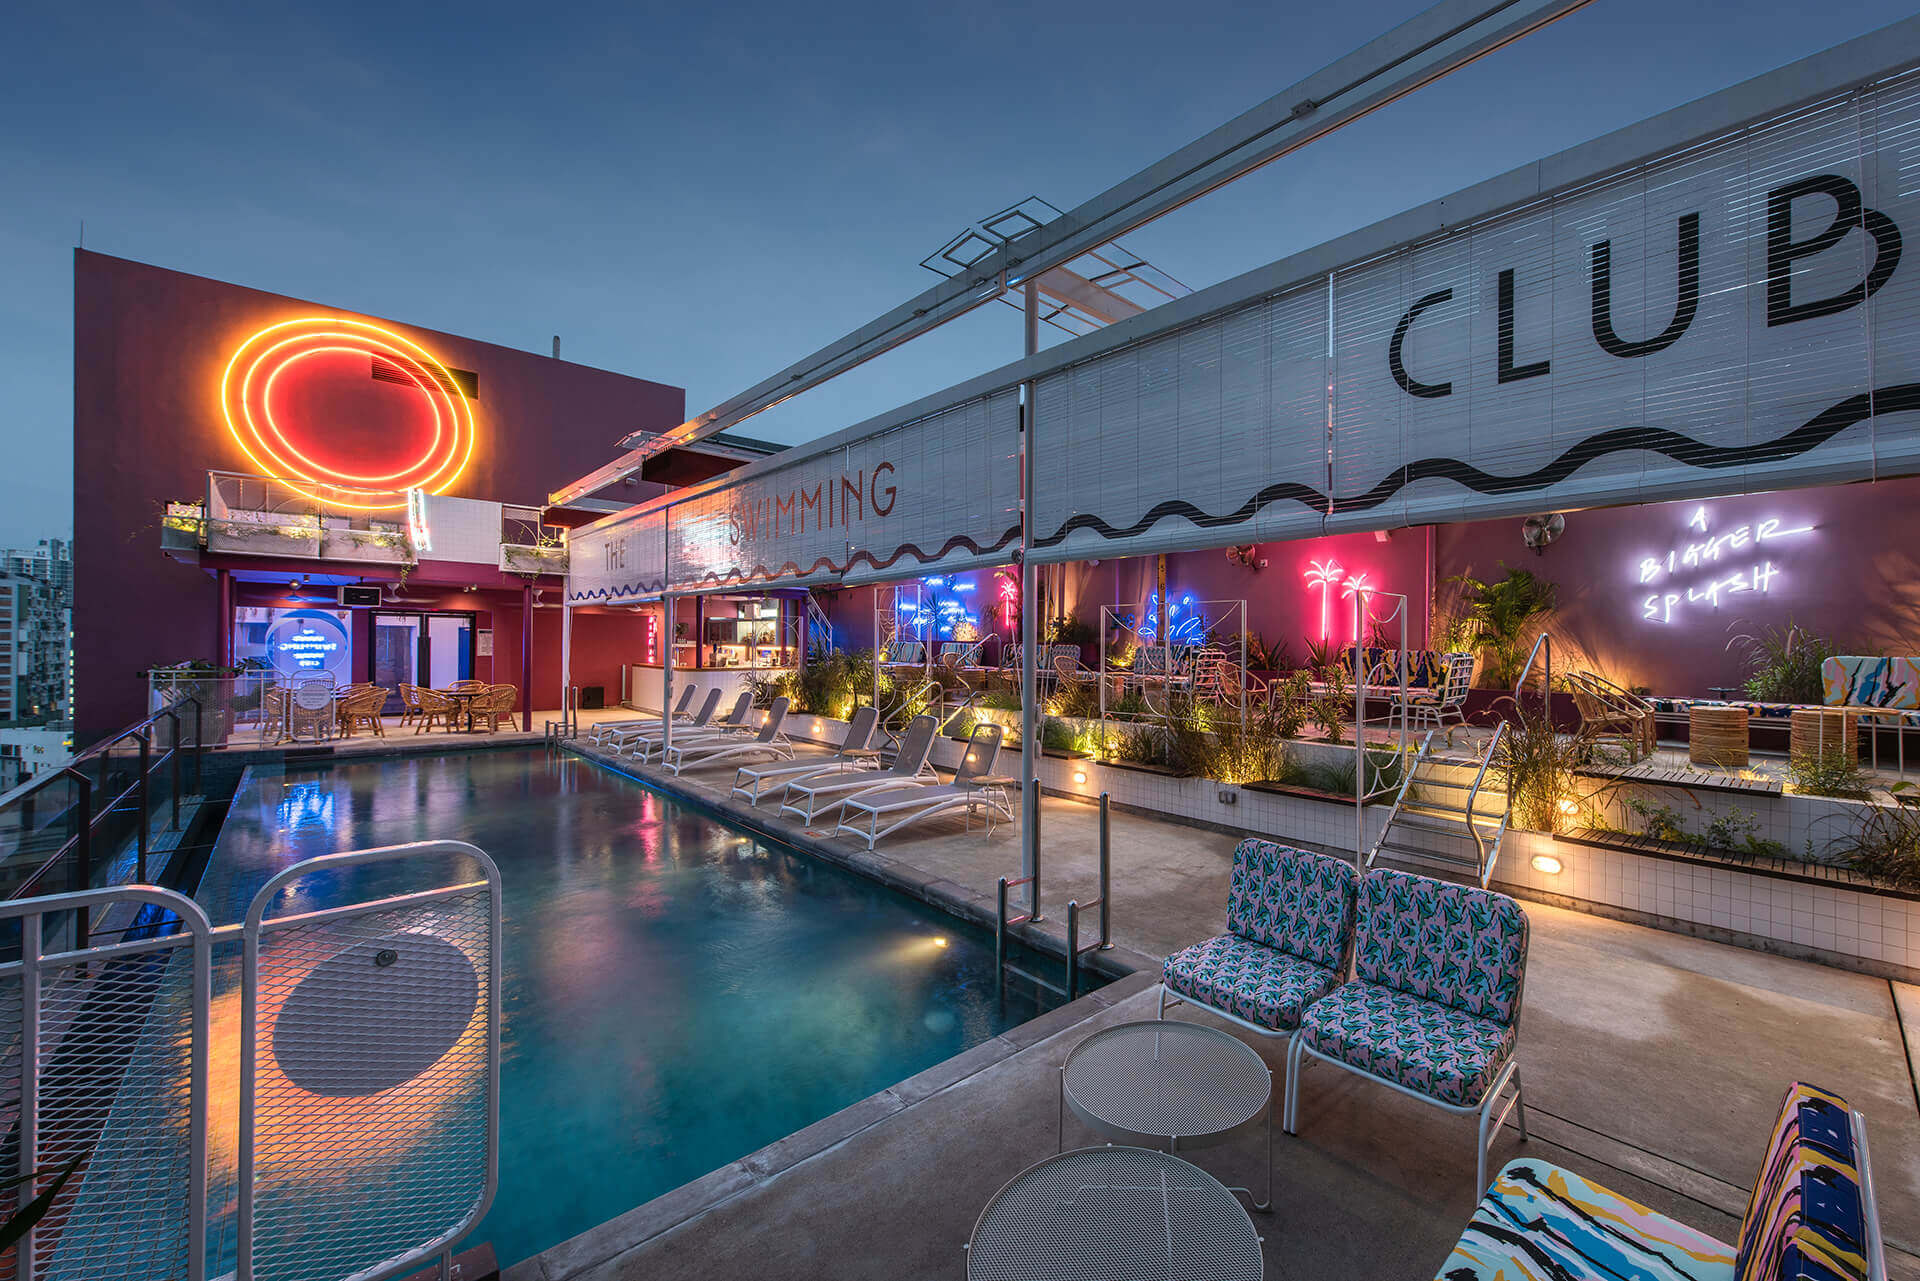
700	194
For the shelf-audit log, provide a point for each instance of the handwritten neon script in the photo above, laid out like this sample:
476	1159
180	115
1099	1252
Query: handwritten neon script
1738	543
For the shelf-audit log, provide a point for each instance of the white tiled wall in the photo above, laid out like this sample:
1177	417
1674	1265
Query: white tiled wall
1862	930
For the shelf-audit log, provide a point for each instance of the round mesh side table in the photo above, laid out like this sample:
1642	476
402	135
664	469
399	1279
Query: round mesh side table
1114	1214
1160	1081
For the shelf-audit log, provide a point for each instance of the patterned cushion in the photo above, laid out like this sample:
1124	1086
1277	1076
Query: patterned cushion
1432	1049
1299	902
1461	946
1249	980
1850	680
1681	706
1425	668
1806	1218
1540	1221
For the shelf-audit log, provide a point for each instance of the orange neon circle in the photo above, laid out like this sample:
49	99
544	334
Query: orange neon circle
246	402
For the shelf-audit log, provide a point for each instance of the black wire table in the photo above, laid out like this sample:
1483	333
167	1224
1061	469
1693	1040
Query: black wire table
1114	1214
1160	1081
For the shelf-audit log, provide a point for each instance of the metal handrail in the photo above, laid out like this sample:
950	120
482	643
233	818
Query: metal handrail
1400	797
1473	794
1543	641
1104	902
90	815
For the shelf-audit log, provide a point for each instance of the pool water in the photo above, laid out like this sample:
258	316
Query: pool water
678	992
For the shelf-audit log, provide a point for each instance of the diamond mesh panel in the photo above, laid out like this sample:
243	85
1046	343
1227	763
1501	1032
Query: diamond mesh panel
114	1091
1114	1214
372	1097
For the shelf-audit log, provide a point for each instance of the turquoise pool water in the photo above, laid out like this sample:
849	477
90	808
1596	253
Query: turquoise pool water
677	992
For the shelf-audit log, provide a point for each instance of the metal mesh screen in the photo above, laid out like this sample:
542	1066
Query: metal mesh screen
1114	1214
373	1054
99	1074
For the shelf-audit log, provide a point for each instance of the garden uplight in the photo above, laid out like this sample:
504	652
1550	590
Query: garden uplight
1546	863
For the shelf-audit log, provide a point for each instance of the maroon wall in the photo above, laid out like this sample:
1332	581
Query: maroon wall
1854	577
149	348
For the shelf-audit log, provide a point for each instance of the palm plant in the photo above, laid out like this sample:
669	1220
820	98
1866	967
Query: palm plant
1499	618
1785	661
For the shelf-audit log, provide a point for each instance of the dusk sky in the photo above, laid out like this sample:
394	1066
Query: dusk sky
700	194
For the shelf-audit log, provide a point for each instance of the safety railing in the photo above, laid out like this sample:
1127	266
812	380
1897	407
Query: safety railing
67	831
1542	650
366	1106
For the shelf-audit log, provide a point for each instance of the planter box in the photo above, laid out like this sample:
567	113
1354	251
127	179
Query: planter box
379	547
264	534
524	558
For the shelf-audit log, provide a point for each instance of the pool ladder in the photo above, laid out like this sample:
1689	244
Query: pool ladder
1075	950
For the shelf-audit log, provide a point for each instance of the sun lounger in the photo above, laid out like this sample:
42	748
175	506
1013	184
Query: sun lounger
606	729
822	793
742	719
759	782
706	754
900	804
621	740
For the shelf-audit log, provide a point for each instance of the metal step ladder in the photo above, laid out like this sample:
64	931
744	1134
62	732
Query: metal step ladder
1447	819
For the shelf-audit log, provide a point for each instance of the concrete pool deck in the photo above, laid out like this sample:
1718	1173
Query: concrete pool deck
1653	1062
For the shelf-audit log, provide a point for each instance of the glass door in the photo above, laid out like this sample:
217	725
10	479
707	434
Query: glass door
433	650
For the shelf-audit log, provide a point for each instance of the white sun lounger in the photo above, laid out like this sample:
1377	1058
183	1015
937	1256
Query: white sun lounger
607	729
741	719
705	755
898	804
762	782
620	740
821	793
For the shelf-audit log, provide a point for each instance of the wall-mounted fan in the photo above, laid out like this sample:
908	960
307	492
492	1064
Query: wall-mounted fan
1538	531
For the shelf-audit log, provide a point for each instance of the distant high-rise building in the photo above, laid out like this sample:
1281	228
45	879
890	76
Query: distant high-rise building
36	612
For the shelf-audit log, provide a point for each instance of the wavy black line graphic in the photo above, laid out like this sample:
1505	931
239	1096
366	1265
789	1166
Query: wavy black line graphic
792	568
1816	431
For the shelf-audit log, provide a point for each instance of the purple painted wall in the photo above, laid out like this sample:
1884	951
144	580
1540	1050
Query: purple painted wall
149	346
1843	561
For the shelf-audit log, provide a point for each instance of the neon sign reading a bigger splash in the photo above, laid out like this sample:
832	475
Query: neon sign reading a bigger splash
1715	567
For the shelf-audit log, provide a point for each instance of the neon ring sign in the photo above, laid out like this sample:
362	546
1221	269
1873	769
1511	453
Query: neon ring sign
293	391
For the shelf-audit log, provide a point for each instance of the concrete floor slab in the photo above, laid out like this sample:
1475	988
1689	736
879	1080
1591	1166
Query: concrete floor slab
1655	1062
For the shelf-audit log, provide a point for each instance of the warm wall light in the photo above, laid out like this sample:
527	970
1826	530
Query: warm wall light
1546	863
939	940
1079	776
1569	807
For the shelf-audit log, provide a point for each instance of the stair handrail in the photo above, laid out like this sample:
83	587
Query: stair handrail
1473	794
1542	642
1399	798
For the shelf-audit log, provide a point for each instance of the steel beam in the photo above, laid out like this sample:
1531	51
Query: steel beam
1426	47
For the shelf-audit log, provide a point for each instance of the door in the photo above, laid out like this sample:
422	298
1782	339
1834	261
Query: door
433	650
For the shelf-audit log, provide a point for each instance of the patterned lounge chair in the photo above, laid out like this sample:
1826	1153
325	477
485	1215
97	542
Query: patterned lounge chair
1433	1010
1811	1217
1289	934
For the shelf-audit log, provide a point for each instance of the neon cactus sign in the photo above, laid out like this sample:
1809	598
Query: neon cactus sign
1720	565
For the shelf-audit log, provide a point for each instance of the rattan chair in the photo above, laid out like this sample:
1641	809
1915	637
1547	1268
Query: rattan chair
409	704
435	708
495	702
362	706
1611	714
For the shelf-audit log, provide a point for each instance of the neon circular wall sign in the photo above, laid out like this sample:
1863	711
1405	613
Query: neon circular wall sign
339	407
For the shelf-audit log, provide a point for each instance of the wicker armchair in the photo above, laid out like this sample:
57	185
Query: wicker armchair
362	706
409	704
1612	714
497	701
273	714
435	709
310	708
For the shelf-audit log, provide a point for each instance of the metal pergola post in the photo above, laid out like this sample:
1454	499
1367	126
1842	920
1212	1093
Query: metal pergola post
1029	632
666	675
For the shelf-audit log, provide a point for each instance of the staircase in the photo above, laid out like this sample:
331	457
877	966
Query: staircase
1449	816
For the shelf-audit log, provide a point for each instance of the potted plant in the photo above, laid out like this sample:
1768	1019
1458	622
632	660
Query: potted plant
1500	619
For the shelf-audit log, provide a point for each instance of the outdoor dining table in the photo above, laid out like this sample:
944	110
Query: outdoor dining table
464	697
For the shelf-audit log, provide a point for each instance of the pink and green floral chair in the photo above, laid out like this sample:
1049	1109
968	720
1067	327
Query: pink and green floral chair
1433	1010
1289	935
1811	1217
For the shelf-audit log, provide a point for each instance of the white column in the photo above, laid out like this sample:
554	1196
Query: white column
566	663
666	674
1029	630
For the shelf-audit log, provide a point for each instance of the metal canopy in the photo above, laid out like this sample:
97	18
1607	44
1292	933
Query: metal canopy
1426	47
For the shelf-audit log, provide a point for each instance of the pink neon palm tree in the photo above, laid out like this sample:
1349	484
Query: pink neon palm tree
1325	574
1356	586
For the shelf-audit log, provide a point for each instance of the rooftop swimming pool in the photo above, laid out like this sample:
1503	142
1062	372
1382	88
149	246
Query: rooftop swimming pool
678	992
